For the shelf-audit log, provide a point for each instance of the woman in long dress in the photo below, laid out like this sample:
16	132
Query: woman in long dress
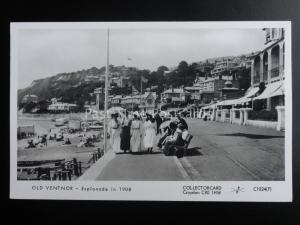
135	133
149	133
115	131
125	133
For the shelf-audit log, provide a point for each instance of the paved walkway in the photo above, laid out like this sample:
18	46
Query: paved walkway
150	167
222	151
218	151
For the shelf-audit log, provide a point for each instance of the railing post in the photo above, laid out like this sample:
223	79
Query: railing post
281	118
75	166
80	168
64	175
59	175
70	174
241	117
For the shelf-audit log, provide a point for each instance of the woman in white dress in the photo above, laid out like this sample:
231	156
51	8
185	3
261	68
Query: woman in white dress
149	133
115	133
135	133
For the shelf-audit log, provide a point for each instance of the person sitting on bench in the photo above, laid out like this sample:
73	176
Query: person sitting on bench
178	139
169	131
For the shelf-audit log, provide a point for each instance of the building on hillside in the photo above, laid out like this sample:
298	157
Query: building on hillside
148	102
175	95
62	107
194	91
205	67
116	100
224	65
131	103
207	90
230	92
214	84
30	98
120	82
246	63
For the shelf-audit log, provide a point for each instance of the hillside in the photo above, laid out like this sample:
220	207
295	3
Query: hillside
75	87
60	84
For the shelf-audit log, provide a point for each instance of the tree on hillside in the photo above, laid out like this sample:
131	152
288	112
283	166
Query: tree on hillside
43	106
184	75
161	69
135	78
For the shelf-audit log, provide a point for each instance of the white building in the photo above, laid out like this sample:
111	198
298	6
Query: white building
222	66
61	107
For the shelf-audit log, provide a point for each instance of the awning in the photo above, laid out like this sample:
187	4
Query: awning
252	92
242	100
279	91
209	106
271	89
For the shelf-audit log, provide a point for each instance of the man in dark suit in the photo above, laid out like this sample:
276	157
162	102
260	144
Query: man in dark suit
182	121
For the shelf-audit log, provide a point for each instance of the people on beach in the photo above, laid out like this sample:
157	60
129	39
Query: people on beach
67	142
125	133
30	144
135	133
115	133
81	143
149	133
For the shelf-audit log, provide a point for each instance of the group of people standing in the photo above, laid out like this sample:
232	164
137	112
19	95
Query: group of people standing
132	133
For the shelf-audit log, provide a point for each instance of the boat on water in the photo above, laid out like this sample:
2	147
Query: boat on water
61	121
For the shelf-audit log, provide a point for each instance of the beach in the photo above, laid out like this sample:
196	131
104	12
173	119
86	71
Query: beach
55	150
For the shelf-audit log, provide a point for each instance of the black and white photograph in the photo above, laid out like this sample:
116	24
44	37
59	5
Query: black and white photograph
196	111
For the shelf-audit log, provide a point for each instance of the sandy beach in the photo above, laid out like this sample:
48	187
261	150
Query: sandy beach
55	149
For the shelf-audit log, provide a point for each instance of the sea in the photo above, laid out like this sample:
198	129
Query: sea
44	122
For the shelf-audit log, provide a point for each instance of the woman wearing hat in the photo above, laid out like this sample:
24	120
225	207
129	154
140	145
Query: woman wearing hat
135	133
125	133
149	133
115	132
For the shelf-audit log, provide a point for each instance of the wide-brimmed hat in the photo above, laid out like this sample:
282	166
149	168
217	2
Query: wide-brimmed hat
136	113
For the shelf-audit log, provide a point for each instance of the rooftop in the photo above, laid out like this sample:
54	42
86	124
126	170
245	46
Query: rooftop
175	90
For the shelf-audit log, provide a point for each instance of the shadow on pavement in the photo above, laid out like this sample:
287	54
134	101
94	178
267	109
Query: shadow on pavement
193	151
139	153
252	136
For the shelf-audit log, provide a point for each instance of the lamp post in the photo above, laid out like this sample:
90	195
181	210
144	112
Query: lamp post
106	95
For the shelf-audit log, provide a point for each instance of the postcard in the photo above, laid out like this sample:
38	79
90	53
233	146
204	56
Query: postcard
153	111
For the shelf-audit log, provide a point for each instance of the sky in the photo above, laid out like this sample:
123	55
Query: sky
47	52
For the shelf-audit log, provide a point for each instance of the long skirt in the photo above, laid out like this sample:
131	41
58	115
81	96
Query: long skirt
135	140
115	140
125	138
149	138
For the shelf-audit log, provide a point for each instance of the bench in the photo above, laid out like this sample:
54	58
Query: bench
180	151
